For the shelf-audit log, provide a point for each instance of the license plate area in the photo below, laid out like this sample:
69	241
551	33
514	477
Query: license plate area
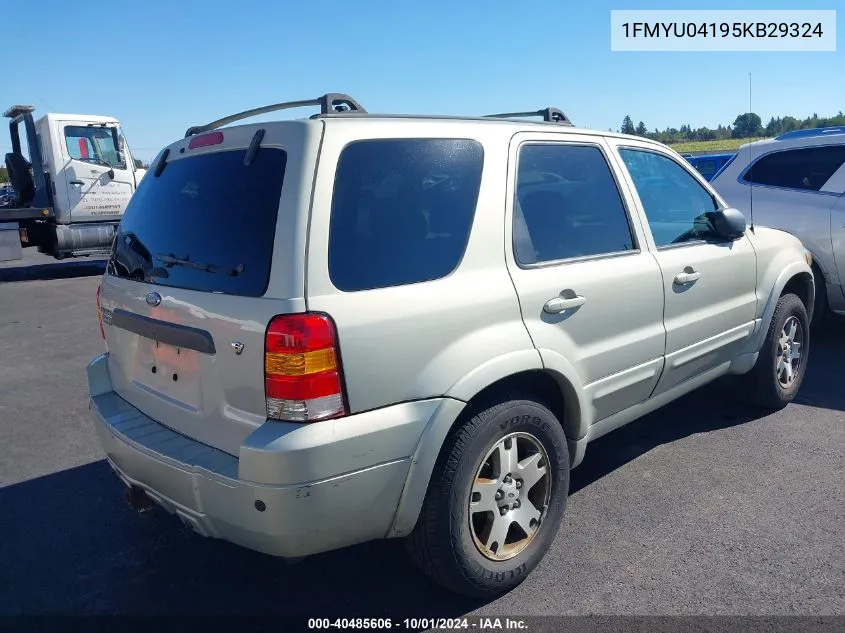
169	372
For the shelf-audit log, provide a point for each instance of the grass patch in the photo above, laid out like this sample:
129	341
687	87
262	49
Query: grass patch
712	147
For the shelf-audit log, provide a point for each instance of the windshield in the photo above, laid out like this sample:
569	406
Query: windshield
205	223
94	144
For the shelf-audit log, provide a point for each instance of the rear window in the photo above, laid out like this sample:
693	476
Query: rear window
402	210
206	223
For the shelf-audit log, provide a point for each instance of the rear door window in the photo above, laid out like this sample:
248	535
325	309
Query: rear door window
567	205
402	210
206	223
806	168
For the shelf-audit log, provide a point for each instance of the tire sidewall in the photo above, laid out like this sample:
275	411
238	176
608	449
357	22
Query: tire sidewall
519	416
790	306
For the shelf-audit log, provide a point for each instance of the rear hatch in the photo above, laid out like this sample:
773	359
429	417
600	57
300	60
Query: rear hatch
210	248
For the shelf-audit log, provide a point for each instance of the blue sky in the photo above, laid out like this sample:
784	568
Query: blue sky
160	66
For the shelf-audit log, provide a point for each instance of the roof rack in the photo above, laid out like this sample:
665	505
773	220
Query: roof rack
550	115
330	102
17	110
811	132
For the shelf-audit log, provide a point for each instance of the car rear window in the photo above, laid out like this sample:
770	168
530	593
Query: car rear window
206	223
402	210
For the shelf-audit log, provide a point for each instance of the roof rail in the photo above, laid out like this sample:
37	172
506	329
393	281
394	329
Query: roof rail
550	115
330	102
811	132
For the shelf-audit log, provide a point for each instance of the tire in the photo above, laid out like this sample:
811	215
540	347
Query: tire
765	385
448	540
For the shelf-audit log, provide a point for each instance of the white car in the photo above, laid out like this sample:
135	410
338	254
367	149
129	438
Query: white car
796	182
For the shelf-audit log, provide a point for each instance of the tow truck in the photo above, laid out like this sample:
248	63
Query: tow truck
71	190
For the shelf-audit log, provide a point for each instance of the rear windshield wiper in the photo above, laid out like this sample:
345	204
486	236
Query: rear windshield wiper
171	260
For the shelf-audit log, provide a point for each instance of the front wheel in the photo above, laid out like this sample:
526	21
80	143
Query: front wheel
779	371
495	501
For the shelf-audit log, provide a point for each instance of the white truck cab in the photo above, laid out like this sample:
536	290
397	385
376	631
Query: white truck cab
72	188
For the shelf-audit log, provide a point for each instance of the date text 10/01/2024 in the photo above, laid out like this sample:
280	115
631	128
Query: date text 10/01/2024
722	29
480	623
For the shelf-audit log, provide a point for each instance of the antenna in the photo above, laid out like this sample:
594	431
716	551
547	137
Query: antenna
750	162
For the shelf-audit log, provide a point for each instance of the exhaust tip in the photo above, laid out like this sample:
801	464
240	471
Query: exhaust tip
138	499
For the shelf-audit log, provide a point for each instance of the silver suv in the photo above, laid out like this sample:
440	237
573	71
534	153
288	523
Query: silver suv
796	183
351	327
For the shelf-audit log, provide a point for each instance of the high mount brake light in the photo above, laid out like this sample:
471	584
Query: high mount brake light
204	140
302	373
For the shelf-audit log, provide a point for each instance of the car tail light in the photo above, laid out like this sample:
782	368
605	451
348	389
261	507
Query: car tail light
302	372
215	138
100	314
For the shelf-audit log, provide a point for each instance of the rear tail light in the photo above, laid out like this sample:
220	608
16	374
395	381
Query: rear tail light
302	373
100	314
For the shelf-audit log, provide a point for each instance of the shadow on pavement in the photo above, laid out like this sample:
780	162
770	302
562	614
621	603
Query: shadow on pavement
82	267
824	386
714	407
70	546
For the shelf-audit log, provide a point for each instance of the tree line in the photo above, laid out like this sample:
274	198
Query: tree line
747	125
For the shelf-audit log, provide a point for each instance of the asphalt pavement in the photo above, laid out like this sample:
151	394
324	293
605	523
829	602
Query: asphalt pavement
705	507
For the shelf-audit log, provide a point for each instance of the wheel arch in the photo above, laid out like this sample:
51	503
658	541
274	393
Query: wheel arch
473	394
795	277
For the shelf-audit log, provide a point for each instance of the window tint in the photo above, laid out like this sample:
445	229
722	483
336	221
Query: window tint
675	203
92	144
212	212
808	168
567	205
402	210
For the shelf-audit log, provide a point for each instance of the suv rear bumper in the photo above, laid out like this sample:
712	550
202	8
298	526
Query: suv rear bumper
201	484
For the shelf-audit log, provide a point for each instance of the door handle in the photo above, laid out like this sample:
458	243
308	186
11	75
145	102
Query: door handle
78	183
687	277
560	304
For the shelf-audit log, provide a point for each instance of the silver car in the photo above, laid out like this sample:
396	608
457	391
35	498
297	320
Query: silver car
796	182
352	327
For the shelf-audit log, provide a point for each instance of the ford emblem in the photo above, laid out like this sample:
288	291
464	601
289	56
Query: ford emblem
153	299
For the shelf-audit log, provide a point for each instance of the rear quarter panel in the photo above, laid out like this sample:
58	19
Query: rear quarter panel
420	340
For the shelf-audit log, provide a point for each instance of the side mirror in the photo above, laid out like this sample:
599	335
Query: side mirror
728	223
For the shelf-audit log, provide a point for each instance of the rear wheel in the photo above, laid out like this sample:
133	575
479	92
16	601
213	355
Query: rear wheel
779	371
495	501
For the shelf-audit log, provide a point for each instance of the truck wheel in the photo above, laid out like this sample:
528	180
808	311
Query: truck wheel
495	501
779	371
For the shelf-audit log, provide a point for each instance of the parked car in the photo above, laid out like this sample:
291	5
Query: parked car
708	164
420	328
7	195
796	183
